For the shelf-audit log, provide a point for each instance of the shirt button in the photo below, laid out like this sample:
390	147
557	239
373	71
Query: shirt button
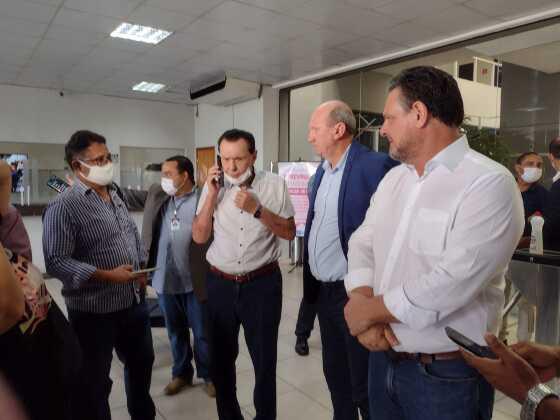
241	228
240	244
238	262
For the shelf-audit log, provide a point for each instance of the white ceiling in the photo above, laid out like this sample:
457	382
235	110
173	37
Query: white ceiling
65	44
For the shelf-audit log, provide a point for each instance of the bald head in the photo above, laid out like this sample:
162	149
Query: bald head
339	112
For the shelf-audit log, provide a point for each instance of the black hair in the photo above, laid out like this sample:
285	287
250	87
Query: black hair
79	142
183	164
554	148
436	89
235	134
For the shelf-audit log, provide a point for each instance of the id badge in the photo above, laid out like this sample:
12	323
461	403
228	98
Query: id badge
175	225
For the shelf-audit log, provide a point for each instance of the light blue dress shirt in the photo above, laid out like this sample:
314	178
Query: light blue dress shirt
326	258
174	276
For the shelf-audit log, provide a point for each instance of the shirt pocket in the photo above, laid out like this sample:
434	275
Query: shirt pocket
428	232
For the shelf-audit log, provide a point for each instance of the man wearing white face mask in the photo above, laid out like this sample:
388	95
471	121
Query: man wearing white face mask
169	210
92	245
528	172
247	215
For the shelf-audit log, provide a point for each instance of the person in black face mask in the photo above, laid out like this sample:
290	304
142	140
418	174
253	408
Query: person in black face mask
92	245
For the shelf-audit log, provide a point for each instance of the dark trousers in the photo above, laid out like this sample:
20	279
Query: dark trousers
257	306
128	332
412	390
345	360
306	319
181	311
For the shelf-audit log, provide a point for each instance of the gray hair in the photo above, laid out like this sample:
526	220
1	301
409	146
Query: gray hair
342	113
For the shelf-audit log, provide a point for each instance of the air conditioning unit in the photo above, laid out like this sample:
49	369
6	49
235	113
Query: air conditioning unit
223	90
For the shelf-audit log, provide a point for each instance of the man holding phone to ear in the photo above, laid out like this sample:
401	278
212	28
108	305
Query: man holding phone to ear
92	245
247	216
433	248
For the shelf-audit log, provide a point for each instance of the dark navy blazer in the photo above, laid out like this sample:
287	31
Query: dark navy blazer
363	171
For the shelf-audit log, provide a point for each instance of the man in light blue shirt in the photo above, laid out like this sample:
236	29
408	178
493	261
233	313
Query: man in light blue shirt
169	210
339	199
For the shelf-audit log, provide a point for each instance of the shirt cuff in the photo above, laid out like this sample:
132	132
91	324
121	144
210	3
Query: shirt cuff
359	278
82	274
408	313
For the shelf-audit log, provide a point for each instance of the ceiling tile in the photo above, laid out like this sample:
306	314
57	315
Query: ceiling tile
160	18
190	7
500	8
86	21
109	57
454	20
411	9
187	41
368	4
23	9
407	34
241	14
355	20
112	8
367	47
64	33
125	45
21	27
288	7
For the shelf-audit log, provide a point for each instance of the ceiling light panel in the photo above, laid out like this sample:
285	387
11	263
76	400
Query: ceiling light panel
140	33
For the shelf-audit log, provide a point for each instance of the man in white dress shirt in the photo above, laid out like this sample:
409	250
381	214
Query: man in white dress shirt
434	247
247	215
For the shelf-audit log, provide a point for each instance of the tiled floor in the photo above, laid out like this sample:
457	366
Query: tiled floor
302	391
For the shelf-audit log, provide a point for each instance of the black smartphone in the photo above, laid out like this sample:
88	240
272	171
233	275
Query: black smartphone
57	183
467	343
221	176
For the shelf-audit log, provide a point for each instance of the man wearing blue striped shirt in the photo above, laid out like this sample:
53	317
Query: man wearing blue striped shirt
92	245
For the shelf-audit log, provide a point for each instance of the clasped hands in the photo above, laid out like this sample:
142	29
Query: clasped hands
371	335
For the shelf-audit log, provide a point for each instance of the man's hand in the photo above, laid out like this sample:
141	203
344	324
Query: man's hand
212	180
121	274
142	281
363	290
246	201
510	374
356	313
544	359
379	337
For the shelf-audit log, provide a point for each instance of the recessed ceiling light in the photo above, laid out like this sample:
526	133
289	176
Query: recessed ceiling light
532	109
140	33
148	87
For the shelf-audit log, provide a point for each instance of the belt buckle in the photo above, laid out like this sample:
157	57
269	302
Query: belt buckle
237	278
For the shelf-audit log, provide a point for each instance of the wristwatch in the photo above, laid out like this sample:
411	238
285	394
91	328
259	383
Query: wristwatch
534	397
258	211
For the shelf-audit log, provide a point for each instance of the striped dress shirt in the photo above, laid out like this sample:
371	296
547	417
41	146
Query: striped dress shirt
83	233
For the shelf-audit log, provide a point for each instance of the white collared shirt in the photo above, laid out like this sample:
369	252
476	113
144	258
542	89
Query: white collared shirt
437	246
241	242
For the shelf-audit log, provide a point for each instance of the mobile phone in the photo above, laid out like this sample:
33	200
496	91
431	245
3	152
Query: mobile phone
467	343
221	176
145	270
57	183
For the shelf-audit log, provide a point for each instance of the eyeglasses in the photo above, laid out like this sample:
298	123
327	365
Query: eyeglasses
99	161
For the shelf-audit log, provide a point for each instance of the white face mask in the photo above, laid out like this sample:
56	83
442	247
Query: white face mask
169	187
239	180
99	175
531	175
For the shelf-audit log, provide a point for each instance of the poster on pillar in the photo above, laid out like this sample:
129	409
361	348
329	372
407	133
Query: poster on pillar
297	176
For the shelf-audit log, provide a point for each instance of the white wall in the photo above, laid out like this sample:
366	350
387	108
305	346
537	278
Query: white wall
258	116
31	115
